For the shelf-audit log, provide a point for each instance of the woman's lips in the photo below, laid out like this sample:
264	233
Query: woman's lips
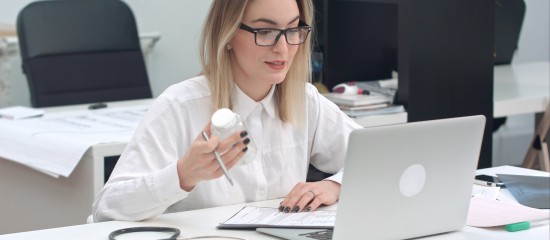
277	65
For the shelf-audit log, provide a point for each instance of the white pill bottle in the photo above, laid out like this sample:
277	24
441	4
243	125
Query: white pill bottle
224	123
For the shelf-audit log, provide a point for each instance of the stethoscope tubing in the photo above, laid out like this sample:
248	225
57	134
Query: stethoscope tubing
175	233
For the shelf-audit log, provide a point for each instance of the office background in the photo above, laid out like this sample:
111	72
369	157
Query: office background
175	56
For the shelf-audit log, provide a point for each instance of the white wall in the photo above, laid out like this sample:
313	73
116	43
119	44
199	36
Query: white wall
533	42
174	58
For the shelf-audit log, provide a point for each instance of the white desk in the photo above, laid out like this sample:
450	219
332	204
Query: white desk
521	88
32	200
204	222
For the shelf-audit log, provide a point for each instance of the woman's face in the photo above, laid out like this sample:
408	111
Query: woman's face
258	67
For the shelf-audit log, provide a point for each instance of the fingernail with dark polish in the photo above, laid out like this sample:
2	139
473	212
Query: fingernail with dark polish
308	208
287	209
245	149
244	133
281	208
296	209
246	141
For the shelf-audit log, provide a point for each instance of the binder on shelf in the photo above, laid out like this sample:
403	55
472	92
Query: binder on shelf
362	107
358	99
377	111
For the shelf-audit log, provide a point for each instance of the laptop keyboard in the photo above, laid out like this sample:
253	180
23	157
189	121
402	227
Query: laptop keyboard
325	234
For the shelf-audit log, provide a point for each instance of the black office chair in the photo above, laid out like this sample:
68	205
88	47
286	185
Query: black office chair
509	15
81	51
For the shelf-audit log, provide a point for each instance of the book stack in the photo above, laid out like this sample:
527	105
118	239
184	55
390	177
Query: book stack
358	105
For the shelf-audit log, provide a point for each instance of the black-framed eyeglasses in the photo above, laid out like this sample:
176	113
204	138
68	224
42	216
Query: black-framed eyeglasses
270	36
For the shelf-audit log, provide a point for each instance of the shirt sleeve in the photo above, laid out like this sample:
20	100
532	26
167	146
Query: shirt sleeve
329	130
145	181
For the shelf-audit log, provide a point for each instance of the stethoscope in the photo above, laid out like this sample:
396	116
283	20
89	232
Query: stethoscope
174	231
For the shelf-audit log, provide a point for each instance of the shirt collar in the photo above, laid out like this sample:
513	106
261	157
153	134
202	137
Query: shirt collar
246	105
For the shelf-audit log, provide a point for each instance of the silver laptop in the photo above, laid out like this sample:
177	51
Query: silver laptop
404	181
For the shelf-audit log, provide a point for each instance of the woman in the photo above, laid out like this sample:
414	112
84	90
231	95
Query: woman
255	56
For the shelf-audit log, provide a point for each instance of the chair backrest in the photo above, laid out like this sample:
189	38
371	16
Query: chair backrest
509	16
83	51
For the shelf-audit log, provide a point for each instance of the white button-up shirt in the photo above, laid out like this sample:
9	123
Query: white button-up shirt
145	183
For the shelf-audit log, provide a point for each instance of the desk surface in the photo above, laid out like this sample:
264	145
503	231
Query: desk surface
203	222
521	88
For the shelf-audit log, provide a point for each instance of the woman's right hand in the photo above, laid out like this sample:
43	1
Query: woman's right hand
199	164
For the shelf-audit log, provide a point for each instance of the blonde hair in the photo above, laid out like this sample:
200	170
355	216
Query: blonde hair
222	22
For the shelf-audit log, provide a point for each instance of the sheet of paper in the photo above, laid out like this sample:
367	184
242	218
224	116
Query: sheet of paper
56	142
20	112
486	192
490	213
261	216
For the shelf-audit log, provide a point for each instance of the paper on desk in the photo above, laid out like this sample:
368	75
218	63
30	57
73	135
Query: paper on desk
490	213
20	112
486	192
254	217
56	142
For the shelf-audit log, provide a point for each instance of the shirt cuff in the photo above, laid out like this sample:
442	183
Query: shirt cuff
167	185
336	177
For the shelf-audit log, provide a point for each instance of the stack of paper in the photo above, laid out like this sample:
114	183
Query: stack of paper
358	99
359	105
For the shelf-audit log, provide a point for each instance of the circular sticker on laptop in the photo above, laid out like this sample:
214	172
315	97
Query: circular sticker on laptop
412	180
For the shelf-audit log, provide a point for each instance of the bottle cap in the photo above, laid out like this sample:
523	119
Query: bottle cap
223	118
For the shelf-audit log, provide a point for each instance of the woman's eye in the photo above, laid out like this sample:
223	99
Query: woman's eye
293	31
264	32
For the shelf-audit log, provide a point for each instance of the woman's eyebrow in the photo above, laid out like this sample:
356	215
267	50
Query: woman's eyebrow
269	21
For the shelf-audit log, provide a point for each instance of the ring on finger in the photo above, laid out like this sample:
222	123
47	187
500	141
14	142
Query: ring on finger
312	192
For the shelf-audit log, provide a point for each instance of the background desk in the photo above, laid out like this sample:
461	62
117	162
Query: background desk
204	222
521	88
520	91
31	200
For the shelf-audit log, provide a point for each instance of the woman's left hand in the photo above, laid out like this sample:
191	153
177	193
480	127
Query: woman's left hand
309	196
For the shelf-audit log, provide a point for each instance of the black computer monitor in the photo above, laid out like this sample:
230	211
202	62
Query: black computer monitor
358	40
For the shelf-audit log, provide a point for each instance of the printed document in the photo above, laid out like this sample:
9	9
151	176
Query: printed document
56	142
254	217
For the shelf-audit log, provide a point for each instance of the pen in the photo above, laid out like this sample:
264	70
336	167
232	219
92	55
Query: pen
484	183
219	159
97	106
